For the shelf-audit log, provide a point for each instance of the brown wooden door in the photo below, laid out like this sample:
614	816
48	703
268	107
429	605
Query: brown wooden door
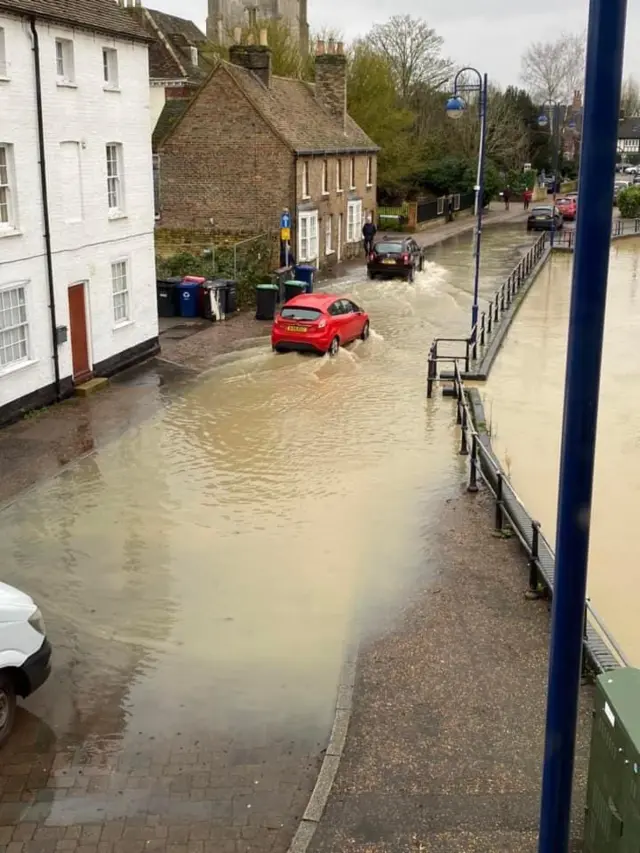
78	329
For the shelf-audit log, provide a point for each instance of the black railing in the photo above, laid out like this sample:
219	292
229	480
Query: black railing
488	320
601	649
620	228
427	210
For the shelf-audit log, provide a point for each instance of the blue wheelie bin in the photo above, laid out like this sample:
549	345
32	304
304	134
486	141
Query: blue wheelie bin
306	273
190	295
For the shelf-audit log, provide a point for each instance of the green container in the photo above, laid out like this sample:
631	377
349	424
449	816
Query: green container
266	301
293	288
612	823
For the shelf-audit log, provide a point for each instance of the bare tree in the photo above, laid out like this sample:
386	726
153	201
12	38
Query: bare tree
554	70
630	100
507	135
414	52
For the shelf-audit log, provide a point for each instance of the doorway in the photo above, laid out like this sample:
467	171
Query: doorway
78	333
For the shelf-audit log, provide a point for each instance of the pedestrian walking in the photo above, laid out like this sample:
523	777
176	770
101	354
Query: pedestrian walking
369	231
450	216
506	195
528	195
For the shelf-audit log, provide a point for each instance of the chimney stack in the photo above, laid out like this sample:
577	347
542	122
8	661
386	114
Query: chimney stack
331	79
253	57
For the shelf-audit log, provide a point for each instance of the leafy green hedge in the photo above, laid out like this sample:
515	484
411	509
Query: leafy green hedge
254	265
629	203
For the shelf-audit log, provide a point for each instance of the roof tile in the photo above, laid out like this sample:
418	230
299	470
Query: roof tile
99	15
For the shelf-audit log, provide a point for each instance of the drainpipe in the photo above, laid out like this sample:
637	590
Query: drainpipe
45	207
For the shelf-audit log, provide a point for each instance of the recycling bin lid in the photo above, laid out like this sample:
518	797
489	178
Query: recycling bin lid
267	287
194	279
305	267
296	282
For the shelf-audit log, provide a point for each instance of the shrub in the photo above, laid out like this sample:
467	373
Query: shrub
629	203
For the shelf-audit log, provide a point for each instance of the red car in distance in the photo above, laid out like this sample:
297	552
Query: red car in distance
318	322
568	207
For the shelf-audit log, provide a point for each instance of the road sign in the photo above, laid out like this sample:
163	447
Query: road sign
543	121
285	220
285	234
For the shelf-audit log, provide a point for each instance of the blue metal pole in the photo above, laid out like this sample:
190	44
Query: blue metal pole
605	47
556	164
484	89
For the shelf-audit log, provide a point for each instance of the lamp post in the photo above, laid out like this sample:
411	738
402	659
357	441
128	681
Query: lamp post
455	110
543	121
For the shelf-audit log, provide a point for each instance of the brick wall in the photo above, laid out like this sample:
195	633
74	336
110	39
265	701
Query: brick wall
335	202
223	162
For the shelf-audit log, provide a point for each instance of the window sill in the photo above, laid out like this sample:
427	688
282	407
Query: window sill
10	232
351	189
369	186
340	191
108	88
306	197
122	325
14	368
66	84
326	194
116	214
4	78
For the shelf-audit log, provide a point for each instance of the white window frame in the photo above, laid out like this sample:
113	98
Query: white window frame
369	171
8	192
121	307
325	177
308	236
4	62
352	173
65	63
339	176
328	235
440	206
354	221
111	82
305	179
7	326
115	180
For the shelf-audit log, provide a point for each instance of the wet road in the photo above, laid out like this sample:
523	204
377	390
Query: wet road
202	575
524	398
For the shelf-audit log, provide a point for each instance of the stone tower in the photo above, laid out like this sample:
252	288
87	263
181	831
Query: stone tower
225	15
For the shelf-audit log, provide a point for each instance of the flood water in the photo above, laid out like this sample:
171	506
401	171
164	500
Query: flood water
524	400
205	572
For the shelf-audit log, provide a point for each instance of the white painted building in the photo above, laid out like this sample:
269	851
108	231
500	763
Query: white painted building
94	198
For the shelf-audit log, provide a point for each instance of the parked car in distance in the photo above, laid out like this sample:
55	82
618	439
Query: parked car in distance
617	189
568	207
394	257
544	217
25	653
318	322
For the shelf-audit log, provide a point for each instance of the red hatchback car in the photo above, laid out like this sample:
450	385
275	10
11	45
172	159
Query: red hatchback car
318	322
568	207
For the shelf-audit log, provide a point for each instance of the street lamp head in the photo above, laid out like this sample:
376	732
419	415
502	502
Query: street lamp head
455	107
543	120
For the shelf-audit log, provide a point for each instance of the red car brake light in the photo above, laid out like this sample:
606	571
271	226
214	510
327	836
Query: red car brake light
405	259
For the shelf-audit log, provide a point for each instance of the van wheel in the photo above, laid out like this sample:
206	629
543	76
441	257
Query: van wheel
7	706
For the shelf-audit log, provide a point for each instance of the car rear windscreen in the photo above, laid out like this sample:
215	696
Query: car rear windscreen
299	313
388	248
539	211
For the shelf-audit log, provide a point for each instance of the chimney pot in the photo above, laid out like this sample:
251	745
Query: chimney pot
340	48
263	38
332	46
250	39
320	48
237	35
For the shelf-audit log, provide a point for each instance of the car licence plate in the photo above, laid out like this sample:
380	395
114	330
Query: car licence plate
388	261
296	328
541	218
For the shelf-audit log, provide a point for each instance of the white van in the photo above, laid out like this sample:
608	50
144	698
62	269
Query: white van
25	653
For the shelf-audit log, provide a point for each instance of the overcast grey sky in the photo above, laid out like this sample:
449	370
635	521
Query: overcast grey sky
490	34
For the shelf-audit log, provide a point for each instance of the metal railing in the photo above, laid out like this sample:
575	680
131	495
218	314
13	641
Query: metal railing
488	320
601	649
620	228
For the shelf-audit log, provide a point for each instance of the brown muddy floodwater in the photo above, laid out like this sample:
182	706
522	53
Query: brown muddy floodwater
524	400
203	573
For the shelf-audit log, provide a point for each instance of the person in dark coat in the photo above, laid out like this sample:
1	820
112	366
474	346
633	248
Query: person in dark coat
369	231
506	196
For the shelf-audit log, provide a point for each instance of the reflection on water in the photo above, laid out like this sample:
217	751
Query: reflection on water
524	400
202	573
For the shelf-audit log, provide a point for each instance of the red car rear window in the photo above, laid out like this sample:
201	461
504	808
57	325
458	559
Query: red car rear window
296	312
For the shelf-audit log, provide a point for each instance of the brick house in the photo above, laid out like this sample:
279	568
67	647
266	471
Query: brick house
180	60
251	144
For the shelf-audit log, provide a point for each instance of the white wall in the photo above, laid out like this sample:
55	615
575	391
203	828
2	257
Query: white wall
82	250
157	100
